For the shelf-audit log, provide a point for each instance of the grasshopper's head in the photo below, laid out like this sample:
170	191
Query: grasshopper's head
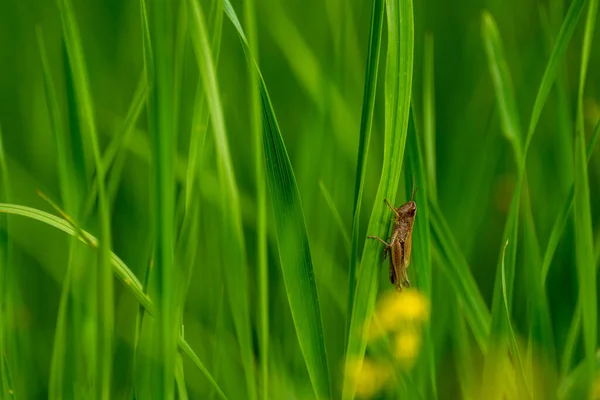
409	209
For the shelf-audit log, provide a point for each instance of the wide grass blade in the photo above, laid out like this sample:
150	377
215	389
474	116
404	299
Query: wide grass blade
292	237
398	85
366	123
121	271
236	277
88	129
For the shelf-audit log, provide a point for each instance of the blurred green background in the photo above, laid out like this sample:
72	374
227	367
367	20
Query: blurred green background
312	56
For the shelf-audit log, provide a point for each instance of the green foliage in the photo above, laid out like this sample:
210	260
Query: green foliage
227	170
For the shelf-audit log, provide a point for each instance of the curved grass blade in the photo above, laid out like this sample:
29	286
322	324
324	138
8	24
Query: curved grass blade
121	271
237	280
398	85
87	120
292	237
366	123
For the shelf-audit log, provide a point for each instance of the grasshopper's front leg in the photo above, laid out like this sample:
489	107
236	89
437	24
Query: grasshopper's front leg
386	249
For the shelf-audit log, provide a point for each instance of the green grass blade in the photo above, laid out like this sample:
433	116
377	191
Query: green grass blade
505	96
429	116
5	320
503	288
336	215
88	127
421	255
554	63
366	123
584	242
292	237
121	271
261	198
513	341
398	85
561	220
237	280
459	275
161	122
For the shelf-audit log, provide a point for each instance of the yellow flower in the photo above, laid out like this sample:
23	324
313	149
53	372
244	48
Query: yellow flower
397	309
367	376
406	346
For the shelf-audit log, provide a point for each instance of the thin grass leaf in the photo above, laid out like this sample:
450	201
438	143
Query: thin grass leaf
398	83
561	220
5	292
459	275
336	215
87	120
513	341
505	96
261	198
510	118
292	237
576	384
114	156
180	378
584	242
237	280
121	271
366	123
429	115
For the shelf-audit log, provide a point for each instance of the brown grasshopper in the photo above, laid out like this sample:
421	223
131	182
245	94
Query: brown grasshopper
400	241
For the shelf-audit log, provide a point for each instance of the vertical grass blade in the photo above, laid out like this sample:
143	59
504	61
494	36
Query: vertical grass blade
366	122
421	255
161	124
429	115
398	84
236	278
261	198
5	319
88	128
584	242
292	237
561	220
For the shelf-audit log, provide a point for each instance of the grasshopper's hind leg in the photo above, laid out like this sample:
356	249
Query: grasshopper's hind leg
406	282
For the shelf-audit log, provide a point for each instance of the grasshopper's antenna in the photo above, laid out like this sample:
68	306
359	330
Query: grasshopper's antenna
414	190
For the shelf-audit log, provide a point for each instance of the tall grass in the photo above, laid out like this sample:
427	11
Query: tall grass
217	165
